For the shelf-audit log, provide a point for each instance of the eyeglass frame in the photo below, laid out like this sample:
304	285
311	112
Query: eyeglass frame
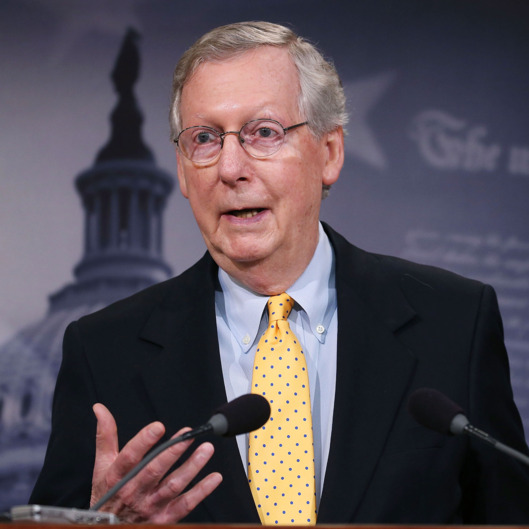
222	135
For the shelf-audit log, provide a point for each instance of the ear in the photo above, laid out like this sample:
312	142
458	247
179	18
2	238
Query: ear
335	156
181	174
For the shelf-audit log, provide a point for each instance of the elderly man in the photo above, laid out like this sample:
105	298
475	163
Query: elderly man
257	118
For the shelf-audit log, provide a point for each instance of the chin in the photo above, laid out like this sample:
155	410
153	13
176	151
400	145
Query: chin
247	249
246	255
246	258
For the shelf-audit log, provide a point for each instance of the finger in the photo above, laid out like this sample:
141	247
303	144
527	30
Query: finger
158	467
134	451
106	438
106	450
185	503
174	484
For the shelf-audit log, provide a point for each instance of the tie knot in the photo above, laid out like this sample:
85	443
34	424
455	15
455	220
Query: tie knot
279	307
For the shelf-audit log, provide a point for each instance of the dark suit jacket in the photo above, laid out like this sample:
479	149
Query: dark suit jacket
155	356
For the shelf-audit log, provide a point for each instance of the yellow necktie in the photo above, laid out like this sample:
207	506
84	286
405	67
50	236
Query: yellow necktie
281	453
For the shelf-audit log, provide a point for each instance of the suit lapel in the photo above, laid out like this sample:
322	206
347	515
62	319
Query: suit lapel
184	325
373	373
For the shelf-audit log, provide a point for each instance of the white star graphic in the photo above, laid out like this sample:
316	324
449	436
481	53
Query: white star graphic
362	96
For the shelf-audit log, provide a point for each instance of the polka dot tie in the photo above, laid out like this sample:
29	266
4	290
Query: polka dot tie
281	453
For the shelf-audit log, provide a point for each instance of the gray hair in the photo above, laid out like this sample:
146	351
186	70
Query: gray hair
321	99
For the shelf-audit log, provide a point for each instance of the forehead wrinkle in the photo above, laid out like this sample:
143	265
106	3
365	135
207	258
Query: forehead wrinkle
260	112
229	100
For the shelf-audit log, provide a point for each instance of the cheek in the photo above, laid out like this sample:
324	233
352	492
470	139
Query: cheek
197	186
304	200
183	186
306	181
201	199
181	175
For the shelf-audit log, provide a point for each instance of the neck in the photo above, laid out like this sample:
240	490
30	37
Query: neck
267	277
261	281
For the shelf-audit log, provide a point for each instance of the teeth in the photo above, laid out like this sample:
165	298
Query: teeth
246	214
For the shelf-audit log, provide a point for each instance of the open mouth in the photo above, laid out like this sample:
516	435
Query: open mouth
246	213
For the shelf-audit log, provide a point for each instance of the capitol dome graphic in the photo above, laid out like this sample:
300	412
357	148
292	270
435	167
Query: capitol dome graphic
123	195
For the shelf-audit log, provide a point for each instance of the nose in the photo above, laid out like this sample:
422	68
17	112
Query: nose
232	160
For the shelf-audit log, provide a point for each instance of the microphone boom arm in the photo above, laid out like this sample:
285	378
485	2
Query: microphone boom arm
472	431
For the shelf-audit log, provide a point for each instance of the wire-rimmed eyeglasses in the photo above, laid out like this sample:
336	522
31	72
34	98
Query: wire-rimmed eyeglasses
260	138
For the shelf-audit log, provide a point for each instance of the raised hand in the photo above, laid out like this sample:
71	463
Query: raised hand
149	496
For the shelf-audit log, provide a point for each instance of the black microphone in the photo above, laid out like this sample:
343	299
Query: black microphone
436	411
243	414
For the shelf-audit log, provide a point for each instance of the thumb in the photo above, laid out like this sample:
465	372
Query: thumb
106	439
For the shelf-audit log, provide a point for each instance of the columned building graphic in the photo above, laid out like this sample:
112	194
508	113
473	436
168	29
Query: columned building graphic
123	196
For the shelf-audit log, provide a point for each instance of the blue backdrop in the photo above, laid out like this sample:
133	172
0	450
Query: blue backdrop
437	156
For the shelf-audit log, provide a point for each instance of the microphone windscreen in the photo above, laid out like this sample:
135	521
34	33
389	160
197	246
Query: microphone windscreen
245	414
433	409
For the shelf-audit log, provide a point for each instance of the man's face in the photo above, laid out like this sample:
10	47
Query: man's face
255	214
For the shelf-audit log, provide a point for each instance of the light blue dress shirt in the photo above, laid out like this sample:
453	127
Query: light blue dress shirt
242	319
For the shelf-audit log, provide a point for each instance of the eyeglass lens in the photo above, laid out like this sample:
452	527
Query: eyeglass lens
260	138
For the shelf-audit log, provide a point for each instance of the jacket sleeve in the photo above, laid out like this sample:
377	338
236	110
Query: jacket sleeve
66	476
496	486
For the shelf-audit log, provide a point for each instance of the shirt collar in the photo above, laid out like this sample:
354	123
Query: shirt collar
314	291
243	310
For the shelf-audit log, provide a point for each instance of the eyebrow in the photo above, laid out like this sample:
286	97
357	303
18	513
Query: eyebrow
260	112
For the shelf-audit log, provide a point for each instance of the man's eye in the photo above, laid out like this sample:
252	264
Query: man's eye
265	132
204	137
